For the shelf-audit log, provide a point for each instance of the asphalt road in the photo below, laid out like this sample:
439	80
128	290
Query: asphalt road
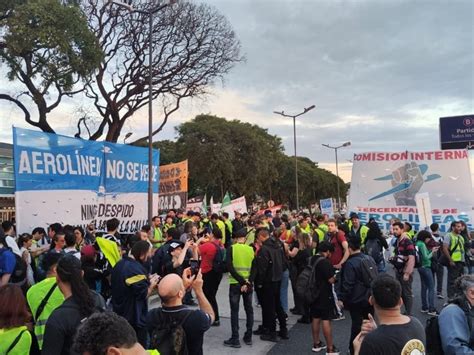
300	335
300	341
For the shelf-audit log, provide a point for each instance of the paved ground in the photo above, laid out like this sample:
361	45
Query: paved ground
300	341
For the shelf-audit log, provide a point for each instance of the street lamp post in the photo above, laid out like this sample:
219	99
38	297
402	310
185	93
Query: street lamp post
150	14
127	136
282	113
337	168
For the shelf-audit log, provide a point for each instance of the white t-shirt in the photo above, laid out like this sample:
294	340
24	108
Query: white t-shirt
11	242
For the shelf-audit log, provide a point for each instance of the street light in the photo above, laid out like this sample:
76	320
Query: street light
127	136
346	144
150	14
282	113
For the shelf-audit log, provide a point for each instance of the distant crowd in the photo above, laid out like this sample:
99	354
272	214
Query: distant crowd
69	290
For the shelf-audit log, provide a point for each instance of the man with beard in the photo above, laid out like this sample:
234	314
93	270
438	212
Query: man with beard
404	262
131	286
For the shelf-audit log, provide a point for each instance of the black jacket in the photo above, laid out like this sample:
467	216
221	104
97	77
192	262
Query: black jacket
269	262
353	292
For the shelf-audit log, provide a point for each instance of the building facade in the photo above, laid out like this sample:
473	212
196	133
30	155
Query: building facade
7	183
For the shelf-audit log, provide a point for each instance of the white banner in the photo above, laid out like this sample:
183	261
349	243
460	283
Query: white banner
237	205
194	206
385	185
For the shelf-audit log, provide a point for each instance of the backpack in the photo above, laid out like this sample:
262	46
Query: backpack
19	273
373	248
306	286
219	264
169	337
369	270
433	335
417	257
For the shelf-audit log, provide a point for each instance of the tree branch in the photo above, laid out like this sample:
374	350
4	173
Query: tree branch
22	107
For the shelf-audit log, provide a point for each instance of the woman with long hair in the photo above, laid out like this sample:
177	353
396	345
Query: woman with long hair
79	303
25	241
80	237
15	336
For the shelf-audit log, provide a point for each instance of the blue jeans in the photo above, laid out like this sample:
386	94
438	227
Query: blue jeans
427	289
284	290
234	299
381	266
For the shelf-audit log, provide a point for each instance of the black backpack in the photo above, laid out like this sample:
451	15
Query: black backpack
19	273
168	336
219	264
433	335
373	248
369	270
306	286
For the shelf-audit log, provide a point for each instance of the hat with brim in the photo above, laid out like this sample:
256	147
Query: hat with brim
175	245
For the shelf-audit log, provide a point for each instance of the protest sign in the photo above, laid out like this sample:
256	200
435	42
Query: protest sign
327	207
384	186
75	181
173	186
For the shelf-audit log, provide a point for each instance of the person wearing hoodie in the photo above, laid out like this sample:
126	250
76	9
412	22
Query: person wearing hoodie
267	277
404	263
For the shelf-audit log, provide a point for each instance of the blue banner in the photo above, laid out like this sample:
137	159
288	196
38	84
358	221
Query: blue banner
79	182
45	161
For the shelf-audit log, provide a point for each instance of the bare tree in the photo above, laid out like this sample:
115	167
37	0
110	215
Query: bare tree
194	46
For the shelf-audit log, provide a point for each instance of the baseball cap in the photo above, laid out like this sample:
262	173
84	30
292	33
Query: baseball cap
175	245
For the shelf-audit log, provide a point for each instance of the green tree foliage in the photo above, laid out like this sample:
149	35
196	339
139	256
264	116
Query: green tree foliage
244	159
47	46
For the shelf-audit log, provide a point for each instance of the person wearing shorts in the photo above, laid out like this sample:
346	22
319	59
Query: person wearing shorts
323	310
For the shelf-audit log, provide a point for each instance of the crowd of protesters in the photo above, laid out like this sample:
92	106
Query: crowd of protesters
62	288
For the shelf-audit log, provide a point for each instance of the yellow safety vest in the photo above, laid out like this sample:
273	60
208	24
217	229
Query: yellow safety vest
221	226
321	233
306	230
323	227
363	234
34	296
110	250
456	247
242	257
250	236
158	235
8	336
229	225
168	226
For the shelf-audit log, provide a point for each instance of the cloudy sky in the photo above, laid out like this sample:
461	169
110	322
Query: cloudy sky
380	73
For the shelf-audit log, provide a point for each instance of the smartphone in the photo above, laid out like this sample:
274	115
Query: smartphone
195	265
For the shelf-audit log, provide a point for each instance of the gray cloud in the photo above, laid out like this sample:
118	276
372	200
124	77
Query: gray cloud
381	73
390	64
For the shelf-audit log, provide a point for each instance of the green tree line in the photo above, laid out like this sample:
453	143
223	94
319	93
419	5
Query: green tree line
244	159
